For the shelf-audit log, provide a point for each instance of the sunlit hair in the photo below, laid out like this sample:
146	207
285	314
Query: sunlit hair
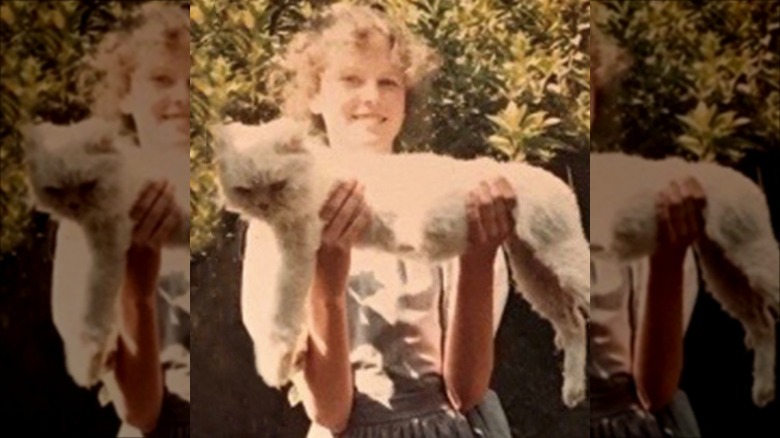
295	78
109	69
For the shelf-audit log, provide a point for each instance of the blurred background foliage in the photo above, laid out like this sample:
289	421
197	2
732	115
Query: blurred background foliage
43	45
514	83
705	79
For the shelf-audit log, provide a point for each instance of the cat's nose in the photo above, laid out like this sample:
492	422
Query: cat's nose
73	206
263	206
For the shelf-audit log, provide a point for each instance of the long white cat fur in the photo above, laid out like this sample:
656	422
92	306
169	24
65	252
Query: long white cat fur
89	174
278	174
623	227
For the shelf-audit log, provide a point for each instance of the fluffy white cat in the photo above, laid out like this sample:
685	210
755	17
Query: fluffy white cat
278	174
89	174
623	227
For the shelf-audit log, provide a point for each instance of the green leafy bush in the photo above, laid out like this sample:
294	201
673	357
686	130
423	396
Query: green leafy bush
705	82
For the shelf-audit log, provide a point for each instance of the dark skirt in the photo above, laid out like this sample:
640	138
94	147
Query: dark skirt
174	420
616	412
426	413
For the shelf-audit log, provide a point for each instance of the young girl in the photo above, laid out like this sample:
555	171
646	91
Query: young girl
394	348
144	79
640	312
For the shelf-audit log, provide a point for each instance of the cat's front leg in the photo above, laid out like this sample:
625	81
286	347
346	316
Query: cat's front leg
181	235
108	242
298	245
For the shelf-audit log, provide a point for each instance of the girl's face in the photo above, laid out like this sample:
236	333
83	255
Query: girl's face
159	99
362	97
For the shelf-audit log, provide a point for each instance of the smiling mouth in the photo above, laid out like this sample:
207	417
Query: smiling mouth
370	117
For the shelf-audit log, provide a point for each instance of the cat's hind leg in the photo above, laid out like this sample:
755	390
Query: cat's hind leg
748	291
562	299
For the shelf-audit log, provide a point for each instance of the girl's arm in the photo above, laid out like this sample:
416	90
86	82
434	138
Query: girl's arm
659	344
139	383
468	355
327	369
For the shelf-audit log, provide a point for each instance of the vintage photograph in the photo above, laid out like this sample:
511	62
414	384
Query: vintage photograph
684	218
95	218
389	210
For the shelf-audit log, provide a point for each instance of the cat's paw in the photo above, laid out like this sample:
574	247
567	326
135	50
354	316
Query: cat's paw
86	361
274	364
573	391
763	392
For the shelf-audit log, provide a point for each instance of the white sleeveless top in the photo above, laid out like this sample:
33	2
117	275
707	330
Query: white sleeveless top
618	295
397	314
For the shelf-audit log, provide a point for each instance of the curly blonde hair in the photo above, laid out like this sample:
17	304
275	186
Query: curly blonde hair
109	69
295	77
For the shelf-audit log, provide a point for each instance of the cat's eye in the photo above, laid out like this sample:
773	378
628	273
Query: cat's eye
54	192
242	191
87	186
278	186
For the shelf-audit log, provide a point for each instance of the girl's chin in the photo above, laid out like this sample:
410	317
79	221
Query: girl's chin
369	142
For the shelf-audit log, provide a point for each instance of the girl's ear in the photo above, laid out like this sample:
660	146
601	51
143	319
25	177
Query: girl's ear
315	104
125	104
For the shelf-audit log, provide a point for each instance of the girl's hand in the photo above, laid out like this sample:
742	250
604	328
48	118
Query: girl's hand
680	207
156	216
490	219
346	217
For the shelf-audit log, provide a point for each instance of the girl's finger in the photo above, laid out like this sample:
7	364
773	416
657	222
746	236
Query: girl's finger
475	231
487	211
148	196
146	227
665	229
169	224
358	226
677	213
348	212
336	200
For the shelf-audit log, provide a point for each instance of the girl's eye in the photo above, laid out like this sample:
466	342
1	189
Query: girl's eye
350	80
162	80
389	83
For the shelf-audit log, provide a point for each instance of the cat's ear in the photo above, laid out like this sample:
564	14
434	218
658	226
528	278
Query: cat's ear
223	136
290	135
295	144
104	144
32	136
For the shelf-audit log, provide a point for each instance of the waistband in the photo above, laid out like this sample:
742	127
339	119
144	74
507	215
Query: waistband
427	397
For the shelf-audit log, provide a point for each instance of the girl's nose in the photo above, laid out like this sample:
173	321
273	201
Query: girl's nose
180	95
369	93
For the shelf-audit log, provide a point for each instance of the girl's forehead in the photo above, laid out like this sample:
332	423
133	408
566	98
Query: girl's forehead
378	59
163	58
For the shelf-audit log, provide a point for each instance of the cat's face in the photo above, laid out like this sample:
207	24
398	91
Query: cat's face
264	171
70	168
